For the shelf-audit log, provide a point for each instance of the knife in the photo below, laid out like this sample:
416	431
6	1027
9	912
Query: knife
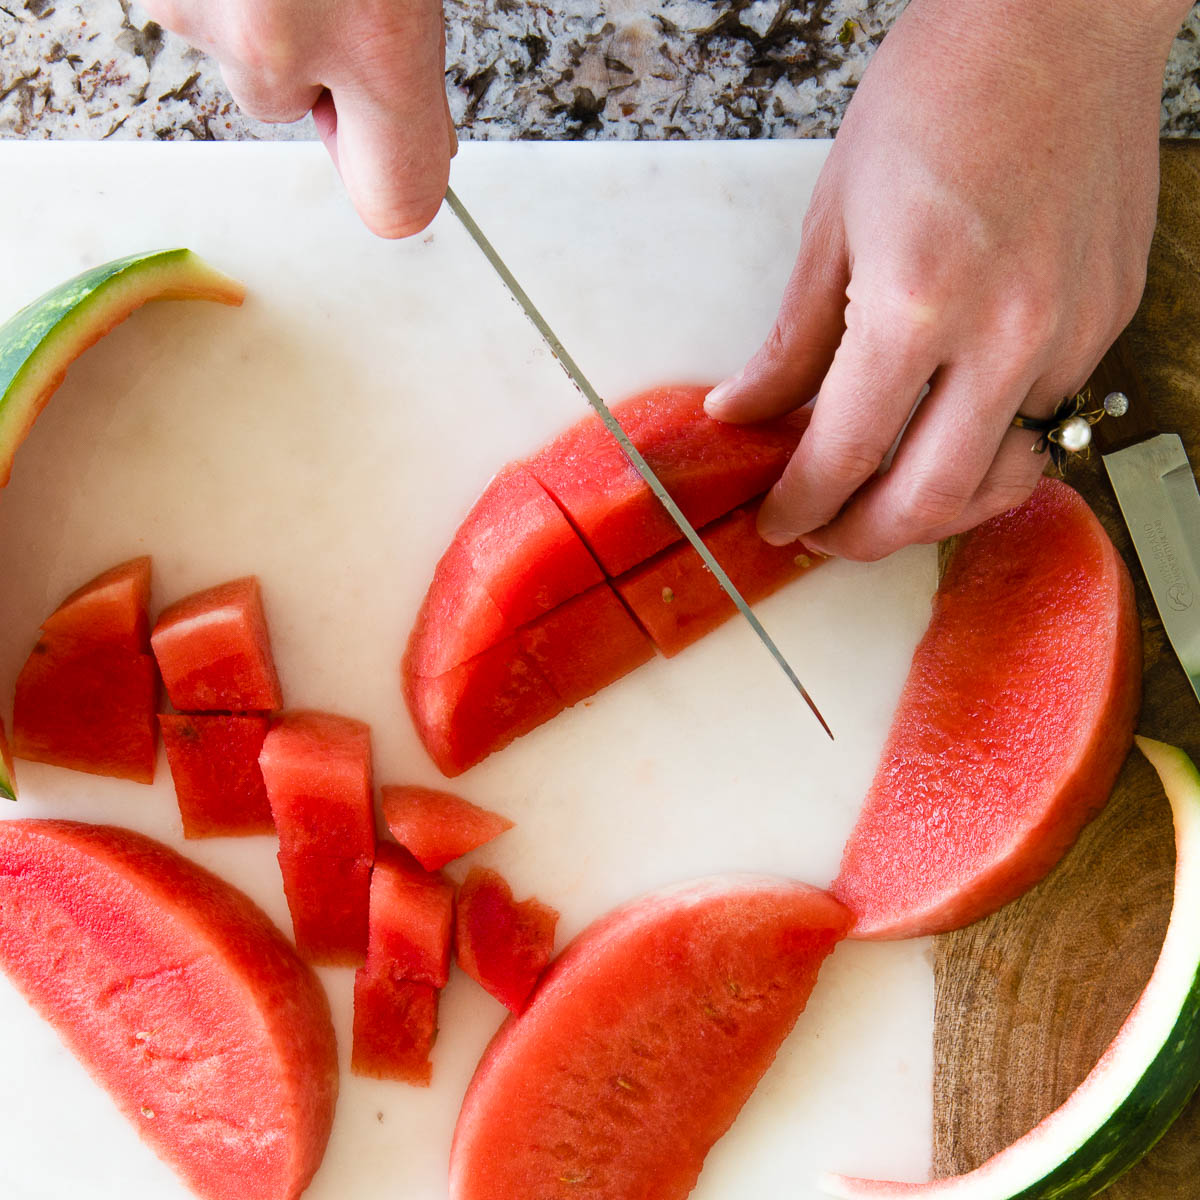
580	380
1156	490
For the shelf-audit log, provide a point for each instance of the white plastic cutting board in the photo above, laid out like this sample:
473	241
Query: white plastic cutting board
329	436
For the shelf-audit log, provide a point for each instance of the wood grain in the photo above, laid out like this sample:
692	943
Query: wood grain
1028	999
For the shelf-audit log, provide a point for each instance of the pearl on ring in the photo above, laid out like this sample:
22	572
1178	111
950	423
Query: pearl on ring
1074	435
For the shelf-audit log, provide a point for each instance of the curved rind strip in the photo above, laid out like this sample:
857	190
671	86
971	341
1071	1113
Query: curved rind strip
40	342
1142	1081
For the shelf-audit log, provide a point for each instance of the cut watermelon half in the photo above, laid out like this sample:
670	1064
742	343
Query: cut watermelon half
1142	1081
40	342
642	1042
1016	716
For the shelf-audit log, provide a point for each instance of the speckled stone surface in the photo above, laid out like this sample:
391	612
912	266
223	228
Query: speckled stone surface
515	69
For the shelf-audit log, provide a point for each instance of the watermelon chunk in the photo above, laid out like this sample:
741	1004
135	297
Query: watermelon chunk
708	467
502	945
642	1042
88	707
1016	716
678	600
395	1024
585	644
317	771
113	609
215	653
480	706
437	827
411	919
181	999
218	782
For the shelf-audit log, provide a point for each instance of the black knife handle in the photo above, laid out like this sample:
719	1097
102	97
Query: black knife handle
1118	373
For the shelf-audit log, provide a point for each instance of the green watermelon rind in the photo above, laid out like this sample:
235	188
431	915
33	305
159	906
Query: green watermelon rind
39	343
1141	1083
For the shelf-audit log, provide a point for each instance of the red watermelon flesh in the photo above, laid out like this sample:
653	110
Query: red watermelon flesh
411	919
214	651
642	1042
181	999
586	644
113	609
316	768
1016	716
437	827
678	600
395	1024
328	899
88	707
218	782
708	467
480	706
504	946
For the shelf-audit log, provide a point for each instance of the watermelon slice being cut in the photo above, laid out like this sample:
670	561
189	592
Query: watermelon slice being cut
180	998
1016	716
642	1042
438	827
1142	1081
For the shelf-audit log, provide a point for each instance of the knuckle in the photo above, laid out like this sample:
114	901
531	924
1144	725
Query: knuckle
849	460
933	502
1000	495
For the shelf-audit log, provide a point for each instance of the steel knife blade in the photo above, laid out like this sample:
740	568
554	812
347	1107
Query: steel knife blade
1156	489
589	393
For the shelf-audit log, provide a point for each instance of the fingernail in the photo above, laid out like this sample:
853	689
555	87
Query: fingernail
715	399
778	537
816	543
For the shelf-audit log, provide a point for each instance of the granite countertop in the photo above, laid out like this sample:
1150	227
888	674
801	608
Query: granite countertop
567	69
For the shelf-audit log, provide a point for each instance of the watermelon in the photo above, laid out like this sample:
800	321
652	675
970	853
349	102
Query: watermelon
479	706
395	1024
502	945
8	778
88	706
215	653
1016	716
218	782
1142	1081
40	342
585	644
642	1042
677	599
113	609
708	467
437	827
411	919
180	998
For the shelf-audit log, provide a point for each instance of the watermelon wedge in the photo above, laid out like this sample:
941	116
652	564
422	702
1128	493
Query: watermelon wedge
1142	1081
437	827
113	608
8	777
181	999
1016	716
642	1042
504	946
40	342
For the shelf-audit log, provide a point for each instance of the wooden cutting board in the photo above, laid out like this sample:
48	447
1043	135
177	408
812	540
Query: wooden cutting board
1027	1000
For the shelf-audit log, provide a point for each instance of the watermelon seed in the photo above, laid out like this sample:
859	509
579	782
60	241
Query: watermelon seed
802	560
624	1083
574	1177
668	595
733	987
148	1113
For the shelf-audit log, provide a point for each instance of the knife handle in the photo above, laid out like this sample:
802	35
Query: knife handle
1117	373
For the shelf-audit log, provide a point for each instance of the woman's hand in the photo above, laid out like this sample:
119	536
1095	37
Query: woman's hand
982	226
371	71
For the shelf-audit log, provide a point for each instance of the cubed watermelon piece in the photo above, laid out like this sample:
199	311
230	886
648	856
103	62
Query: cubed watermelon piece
437	827
218	782
411	919
215	653
329	899
586	644
317	771
395	1024
112	609
708	467
88	707
480	706
502	945
677	599
180	998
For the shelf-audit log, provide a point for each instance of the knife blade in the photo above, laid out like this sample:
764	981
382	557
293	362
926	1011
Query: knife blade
1156	489
589	393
